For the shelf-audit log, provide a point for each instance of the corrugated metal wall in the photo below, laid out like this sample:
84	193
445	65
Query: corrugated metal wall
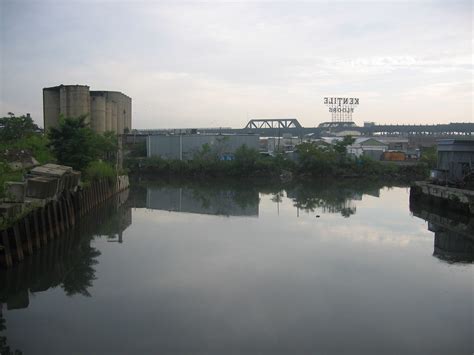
186	146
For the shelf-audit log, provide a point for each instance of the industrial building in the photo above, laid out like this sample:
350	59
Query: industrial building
185	147
455	160
104	110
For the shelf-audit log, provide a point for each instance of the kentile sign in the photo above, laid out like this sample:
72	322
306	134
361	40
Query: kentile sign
341	107
341	101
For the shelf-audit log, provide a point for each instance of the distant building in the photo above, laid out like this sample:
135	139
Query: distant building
105	110
185	147
455	160
370	147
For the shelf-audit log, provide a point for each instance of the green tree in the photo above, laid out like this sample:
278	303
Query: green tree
429	156
246	158
13	128
341	146
77	145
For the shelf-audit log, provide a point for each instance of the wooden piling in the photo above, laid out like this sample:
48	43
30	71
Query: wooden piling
6	249
60	215
18	250
44	230
50	222
29	240
56	219
36	230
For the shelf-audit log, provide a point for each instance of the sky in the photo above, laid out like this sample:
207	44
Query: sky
219	64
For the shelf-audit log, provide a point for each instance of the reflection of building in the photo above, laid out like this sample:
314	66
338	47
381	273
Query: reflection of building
451	246
454	233
216	202
105	110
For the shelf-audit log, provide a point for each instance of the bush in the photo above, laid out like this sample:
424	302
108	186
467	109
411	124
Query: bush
7	174
99	170
75	144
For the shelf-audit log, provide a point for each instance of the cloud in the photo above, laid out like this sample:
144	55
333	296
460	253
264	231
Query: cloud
203	64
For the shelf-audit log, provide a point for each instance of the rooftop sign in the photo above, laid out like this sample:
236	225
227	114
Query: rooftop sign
341	108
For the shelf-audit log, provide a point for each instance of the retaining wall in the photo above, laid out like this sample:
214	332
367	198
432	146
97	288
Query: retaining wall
443	196
44	224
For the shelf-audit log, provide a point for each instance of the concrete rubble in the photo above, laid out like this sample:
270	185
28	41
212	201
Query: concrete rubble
41	184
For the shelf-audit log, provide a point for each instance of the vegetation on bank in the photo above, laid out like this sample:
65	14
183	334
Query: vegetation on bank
19	141
72	143
309	161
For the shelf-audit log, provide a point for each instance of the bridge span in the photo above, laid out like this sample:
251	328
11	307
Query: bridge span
278	127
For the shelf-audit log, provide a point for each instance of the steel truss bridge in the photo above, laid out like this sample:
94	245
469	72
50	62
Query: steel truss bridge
279	127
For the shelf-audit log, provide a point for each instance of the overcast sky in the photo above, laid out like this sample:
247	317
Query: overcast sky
207	64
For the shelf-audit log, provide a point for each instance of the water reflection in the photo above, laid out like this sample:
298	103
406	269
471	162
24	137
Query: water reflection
236	198
290	283
67	262
453	232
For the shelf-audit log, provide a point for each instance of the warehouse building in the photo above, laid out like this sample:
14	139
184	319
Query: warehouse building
455	160
104	110
185	147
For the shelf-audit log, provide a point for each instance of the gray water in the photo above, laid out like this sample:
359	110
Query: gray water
244	268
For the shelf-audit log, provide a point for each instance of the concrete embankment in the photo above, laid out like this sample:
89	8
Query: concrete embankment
443	196
42	224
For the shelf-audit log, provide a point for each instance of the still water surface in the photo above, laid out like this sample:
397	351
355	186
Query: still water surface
243	268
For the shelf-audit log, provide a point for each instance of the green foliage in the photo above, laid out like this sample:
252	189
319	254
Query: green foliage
75	144
316	160
247	158
429	156
138	150
311	161
341	146
7	174
14	128
37	144
99	170
206	153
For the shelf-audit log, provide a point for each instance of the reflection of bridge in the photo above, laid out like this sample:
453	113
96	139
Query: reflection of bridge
278	127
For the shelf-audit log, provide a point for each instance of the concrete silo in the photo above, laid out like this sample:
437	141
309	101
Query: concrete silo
50	107
98	112
74	101
108	115
105	110
114	116
123	110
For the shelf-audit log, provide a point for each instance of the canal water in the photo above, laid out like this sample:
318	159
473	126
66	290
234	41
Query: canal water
236	267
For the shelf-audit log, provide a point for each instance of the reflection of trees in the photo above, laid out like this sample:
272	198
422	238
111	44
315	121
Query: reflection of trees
219	196
332	196
79	278
328	195
68	262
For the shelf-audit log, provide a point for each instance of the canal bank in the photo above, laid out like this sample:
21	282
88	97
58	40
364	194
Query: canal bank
455	199
37	222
